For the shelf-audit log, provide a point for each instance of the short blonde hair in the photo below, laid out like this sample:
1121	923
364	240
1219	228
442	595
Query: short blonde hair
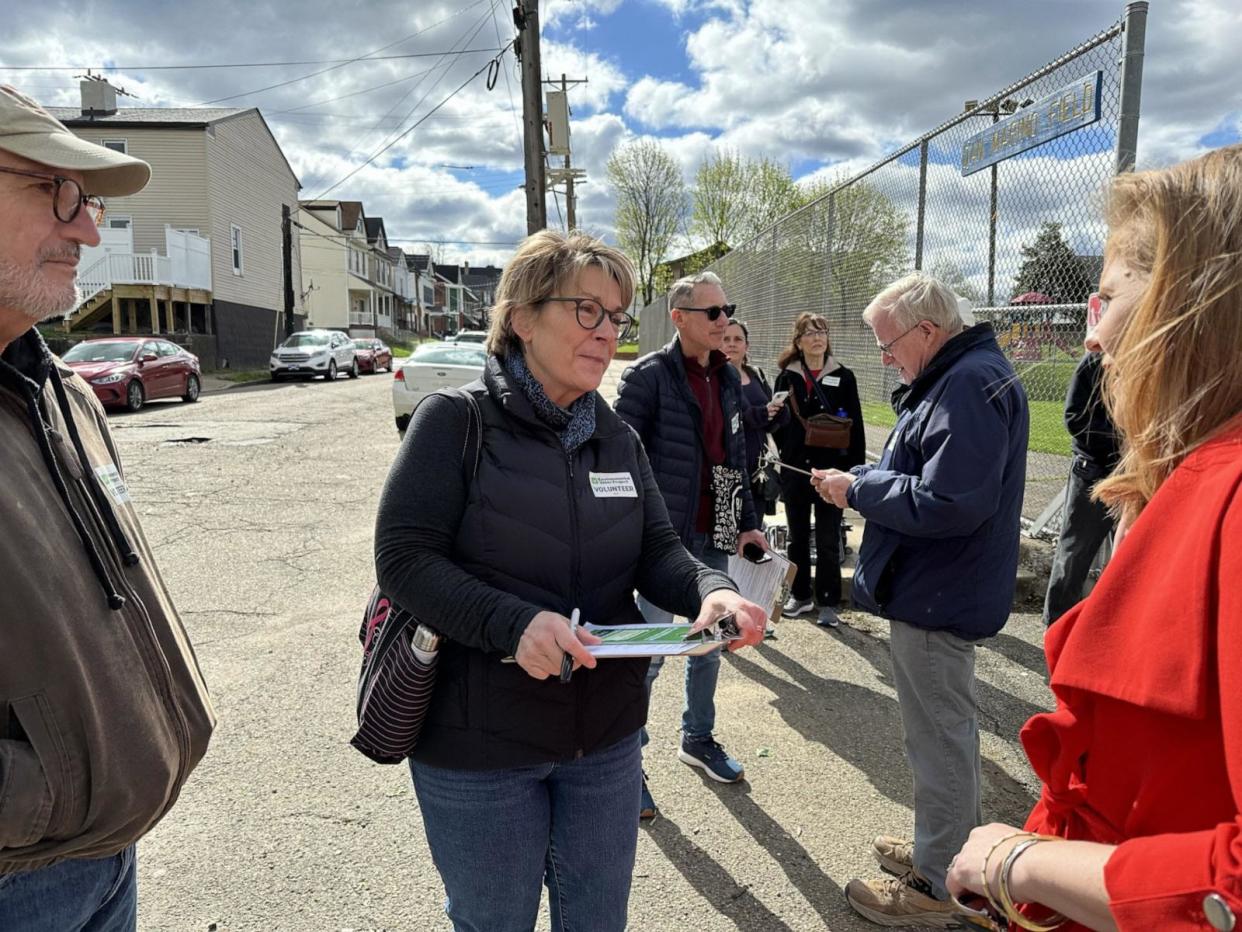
918	296
545	264
1176	377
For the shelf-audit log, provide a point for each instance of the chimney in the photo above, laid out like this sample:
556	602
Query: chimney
98	97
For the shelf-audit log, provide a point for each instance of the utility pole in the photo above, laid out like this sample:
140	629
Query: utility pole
286	249
526	19
558	144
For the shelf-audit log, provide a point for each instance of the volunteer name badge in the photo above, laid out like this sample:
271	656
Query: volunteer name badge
735	424
110	478
832	381
613	485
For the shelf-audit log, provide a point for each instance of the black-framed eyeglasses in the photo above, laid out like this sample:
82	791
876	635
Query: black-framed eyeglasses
67	196
713	312
886	349
590	314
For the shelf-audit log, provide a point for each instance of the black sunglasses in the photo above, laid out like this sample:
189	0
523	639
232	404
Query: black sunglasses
713	312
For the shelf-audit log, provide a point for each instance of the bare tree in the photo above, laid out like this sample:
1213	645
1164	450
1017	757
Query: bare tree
651	199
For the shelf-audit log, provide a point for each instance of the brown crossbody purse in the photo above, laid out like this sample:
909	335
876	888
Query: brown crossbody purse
823	430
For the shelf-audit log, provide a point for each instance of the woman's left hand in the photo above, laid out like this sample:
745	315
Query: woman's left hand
774	408
965	870
751	619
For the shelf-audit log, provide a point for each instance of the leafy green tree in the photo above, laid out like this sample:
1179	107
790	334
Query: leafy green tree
651	203
953	276
1051	267
735	198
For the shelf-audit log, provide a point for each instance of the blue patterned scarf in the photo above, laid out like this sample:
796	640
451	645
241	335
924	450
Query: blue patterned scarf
574	425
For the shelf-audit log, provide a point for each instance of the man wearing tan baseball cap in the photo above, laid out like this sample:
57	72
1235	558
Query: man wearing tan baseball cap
103	709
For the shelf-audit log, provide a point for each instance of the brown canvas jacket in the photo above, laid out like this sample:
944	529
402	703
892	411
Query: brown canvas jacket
103	711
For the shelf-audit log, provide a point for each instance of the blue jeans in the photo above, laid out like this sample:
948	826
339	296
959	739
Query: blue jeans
496	834
934	673
77	895
698	715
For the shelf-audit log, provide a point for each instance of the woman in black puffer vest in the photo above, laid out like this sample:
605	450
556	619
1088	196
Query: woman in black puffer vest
521	777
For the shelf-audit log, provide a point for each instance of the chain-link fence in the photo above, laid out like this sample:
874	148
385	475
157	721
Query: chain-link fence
1022	240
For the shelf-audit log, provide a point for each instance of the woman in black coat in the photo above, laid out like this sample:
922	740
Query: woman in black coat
761	415
817	383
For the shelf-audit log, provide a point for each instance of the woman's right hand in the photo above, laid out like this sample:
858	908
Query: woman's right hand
545	642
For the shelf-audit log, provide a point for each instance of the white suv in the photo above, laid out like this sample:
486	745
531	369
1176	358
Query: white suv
309	353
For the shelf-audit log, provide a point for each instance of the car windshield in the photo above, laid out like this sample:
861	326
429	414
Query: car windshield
471	336
449	354
101	351
364	344
306	339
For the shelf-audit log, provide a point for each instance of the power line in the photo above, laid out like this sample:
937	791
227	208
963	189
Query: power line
415	126
268	64
313	74
343	238
517	125
365	90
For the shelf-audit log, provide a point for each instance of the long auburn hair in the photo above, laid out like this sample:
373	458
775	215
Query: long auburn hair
1176	377
801	326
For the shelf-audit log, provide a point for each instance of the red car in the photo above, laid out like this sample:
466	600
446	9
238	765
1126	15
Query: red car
372	355
130	371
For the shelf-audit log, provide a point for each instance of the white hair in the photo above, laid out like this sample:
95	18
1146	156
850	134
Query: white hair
918	296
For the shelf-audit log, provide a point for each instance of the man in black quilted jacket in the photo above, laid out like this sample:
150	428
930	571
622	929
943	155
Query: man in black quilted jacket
685	402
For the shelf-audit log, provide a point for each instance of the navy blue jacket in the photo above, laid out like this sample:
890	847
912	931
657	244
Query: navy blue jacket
655	399
943	504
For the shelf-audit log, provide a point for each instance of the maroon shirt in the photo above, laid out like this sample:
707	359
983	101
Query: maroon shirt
705	385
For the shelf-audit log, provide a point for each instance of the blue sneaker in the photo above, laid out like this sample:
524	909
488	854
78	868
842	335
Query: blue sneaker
646	807
711	758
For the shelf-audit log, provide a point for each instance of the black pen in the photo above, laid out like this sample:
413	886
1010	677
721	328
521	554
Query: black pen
567	662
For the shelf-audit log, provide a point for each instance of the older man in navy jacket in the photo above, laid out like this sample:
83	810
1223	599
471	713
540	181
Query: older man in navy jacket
939	559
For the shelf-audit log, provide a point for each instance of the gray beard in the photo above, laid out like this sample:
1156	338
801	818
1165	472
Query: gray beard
21	288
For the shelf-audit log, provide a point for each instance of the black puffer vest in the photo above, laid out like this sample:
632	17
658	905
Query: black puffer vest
534	526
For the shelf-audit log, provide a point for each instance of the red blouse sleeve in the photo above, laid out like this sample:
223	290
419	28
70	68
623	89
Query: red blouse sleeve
1160	881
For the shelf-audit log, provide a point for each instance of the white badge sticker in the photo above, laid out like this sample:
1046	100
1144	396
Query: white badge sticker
736	423
832	380
613	485
110	478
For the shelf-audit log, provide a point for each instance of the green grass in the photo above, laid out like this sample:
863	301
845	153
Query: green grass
628	347
1048	433
242	375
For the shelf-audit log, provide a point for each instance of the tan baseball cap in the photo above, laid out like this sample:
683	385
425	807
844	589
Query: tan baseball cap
26	129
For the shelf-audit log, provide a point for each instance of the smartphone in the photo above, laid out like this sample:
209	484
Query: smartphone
779	397
755	554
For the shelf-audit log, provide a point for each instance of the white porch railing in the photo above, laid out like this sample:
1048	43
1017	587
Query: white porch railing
361	319
187	265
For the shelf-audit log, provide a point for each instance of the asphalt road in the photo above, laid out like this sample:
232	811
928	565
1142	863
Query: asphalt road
260	502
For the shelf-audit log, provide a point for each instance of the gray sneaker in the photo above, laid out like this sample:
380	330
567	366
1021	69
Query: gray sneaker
828	617
795	606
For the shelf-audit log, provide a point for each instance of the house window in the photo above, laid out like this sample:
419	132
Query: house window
118	221
236	240
117	145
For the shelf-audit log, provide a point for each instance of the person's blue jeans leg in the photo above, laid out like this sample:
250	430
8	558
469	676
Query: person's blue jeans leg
496	834
90	894
934	674
698	717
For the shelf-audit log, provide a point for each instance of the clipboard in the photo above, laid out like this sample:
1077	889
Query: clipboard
763	583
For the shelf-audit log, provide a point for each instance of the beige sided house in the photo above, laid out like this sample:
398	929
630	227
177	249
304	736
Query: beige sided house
197	254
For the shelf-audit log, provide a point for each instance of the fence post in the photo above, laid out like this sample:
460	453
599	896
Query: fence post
1133	38
918	235
992	227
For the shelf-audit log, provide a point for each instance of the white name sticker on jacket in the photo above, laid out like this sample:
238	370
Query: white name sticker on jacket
832	380
613	485
110	478
737	423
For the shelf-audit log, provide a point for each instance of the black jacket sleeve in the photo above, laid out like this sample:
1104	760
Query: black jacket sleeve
420	512
856	455
638	400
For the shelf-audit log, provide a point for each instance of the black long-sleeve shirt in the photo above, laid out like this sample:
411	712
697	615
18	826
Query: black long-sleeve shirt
1092	433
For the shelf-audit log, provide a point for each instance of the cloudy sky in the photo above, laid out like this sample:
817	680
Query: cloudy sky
824	86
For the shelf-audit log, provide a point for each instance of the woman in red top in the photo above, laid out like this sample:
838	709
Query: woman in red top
1142	760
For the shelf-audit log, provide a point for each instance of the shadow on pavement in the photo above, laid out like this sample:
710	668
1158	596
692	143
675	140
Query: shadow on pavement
715	884
1018	651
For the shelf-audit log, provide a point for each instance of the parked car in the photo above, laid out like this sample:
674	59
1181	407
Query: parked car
130	371
372	355
470	336
309	353
429	368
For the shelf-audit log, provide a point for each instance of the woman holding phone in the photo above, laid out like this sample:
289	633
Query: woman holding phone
817	384
763	413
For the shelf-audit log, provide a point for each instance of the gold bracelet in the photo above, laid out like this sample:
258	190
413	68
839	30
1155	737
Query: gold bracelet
983	871
1007	905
